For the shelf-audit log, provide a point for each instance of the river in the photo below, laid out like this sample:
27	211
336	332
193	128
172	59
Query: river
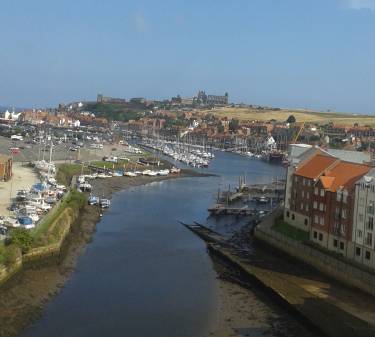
143	274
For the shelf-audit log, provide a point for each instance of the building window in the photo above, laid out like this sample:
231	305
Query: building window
343	213
370	208
315	205
315	234
316	191
303	181
308	182
368	255
322	193
321	221
303	193
358	251
306	222
342	245
370	223
338	196
320	237
359	233
293	217
345	197
307	207
301	206
368	239
360	217
335	243
307	195
316	219
287	214
321	207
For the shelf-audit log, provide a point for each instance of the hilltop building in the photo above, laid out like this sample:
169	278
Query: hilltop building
203	98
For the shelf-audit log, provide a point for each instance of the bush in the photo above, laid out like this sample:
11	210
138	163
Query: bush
76	200
12	253
2	254
22	238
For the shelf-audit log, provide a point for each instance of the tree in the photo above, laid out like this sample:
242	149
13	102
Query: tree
234	124
22	238
291	119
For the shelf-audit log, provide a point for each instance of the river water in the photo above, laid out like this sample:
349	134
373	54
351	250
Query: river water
145	275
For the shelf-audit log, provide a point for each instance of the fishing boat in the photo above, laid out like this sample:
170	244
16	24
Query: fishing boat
105	203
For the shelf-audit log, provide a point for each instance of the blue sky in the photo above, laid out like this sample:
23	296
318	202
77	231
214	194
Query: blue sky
290	53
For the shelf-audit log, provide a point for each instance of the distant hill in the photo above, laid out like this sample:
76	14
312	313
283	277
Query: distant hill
116	112
266	114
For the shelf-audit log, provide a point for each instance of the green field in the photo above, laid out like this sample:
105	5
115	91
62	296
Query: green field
250	114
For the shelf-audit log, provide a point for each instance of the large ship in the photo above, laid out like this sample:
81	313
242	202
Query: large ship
273	156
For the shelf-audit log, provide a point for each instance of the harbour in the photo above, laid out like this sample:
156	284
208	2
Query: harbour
137	237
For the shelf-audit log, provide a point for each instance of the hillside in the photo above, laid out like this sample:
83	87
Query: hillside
249	114
116	112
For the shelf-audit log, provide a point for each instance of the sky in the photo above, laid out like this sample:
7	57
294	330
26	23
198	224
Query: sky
317	54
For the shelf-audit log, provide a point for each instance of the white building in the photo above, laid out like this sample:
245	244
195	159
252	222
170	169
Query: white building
363	220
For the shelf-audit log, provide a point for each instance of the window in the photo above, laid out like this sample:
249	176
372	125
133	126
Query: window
293	216
315	234
307	207
343	213
370	223
342	245
360	217
303	193
315	205
321	207
303	181
307	195
308	182
358	251
370	208
359	233
320	237
335	243
306	222
338	196
287	214
316	191
343	230
345	197
301	206
368	240
368	255
322	193
316	219
321	221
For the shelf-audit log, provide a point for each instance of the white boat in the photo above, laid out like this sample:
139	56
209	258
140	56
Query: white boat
105	203
130	174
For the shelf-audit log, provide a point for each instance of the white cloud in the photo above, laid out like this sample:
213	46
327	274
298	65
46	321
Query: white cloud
140	23
360	4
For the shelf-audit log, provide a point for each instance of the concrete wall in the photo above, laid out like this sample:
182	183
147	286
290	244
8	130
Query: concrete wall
340	270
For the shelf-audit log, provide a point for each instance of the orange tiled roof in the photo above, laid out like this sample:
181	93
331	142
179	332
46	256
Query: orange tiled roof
315	166
342	174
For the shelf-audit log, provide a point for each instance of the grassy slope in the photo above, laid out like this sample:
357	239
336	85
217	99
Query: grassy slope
247	114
